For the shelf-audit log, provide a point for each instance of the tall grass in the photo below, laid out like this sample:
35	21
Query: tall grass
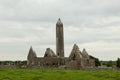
37	74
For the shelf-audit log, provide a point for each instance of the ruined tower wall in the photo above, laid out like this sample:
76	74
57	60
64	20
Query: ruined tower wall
59	39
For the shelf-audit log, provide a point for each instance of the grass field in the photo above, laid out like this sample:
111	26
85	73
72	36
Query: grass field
37	74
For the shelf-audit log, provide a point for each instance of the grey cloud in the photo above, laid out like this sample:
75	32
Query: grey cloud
32	22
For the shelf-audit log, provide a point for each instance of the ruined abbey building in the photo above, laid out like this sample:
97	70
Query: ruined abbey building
76	59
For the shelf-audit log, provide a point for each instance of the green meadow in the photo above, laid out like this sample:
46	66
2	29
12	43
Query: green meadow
38	74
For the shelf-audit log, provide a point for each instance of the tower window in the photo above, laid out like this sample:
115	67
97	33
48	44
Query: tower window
58	54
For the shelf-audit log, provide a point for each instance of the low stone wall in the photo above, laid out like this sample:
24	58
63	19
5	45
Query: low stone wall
7	66
103	68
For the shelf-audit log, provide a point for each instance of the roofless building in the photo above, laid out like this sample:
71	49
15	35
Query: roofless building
76	60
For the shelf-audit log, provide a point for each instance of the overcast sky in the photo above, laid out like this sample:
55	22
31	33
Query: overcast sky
91	24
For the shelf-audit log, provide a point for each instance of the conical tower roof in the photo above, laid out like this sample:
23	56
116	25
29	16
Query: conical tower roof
59	22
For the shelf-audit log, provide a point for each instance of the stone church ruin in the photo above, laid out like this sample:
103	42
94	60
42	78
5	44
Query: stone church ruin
76	59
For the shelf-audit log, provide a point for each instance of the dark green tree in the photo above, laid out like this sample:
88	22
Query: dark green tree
109	64
118	63
97	62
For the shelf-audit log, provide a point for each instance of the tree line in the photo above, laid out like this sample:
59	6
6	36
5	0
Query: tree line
113	64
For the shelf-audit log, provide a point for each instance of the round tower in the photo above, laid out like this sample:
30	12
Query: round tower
59	39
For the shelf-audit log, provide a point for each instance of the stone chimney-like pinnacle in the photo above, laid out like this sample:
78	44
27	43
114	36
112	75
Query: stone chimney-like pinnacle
75	46
31	49
59	22
85	54
84	51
